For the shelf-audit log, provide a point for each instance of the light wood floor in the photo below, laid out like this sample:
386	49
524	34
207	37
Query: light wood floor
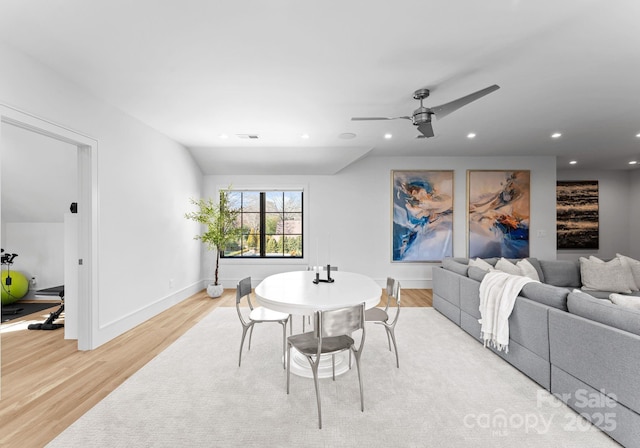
47	383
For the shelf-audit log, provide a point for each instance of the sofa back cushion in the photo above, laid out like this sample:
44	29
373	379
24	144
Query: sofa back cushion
561	273
603	311
476	273
455	265
555	296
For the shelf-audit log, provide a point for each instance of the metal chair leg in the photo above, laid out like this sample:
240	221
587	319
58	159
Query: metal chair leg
333	365
314	368
288	366
284	342
388	339
395	346
250	335
244	333
357	356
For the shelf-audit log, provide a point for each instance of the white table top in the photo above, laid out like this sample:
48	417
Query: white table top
295	293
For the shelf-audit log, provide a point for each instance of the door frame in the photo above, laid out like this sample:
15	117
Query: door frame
88	321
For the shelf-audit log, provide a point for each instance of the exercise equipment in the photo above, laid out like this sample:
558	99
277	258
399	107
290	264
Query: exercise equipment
50	324
14	284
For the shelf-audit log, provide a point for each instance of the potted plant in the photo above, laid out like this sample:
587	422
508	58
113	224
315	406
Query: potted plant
221	229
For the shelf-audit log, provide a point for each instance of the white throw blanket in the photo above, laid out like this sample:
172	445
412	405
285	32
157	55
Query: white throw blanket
498	292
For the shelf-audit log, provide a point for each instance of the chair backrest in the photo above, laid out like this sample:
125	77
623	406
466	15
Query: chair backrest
339	321
324	268
243	290
393	290
393	293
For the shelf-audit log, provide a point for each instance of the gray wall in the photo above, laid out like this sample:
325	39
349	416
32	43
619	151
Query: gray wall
619	199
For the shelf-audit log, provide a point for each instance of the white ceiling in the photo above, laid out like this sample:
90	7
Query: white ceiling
196	69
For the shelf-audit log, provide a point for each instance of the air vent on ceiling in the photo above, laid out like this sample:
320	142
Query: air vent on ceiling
253	136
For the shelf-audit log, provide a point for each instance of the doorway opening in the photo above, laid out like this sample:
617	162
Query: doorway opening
86	236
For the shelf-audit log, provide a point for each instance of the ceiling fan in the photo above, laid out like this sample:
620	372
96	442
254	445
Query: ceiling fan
422	116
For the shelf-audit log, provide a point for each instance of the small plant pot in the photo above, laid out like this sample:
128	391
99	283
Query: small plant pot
214	290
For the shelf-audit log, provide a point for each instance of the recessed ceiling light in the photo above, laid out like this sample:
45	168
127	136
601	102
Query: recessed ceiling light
573	162
633	162
223	136
471	135
347	135
304	136
556	135
638	135
387	136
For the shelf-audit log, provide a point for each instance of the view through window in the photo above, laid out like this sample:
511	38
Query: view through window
271	223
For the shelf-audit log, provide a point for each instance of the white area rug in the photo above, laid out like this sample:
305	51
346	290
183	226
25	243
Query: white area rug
449	392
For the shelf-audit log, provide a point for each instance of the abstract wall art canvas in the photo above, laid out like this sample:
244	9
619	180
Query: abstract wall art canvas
498	213
577	214
422	215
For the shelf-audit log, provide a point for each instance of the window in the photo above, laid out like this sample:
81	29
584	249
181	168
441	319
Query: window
271	223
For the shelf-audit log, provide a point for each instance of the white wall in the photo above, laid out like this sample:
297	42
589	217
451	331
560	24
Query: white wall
615	201
144	182
353	210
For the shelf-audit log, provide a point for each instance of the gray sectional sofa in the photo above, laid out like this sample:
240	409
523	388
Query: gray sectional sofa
583	349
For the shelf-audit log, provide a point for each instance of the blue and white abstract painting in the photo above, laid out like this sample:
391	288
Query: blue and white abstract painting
422	227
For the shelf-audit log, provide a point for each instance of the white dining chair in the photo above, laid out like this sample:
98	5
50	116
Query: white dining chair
257	315
382	316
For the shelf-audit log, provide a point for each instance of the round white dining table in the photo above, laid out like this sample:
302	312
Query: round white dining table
295	293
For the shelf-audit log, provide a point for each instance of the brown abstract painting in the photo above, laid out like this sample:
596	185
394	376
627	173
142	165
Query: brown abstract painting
577	214
498	213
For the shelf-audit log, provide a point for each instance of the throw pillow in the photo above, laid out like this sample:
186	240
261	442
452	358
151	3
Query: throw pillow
480	263
625	272
505	265
601	276
634	267
632	302
528	270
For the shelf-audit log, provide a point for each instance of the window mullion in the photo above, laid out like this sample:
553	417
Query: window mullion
263	224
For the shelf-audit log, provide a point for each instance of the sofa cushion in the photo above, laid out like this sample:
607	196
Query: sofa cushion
453	265
528	270
625	268
555	296
480	263
603	311
518	267
625	301
476	273
536	264
561	273
505	265
604	276
597	294
633	266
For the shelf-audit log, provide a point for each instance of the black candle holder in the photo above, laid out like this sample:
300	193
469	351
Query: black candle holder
328	279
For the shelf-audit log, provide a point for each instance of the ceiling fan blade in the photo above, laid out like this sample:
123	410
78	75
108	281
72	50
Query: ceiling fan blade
426	129
445	109
378	118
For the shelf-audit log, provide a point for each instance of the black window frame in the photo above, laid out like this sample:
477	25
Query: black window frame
263	235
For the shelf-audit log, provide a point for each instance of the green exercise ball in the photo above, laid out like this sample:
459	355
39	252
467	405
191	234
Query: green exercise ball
16	290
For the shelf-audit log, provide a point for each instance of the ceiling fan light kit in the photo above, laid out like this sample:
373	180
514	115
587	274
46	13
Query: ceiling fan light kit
421	117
